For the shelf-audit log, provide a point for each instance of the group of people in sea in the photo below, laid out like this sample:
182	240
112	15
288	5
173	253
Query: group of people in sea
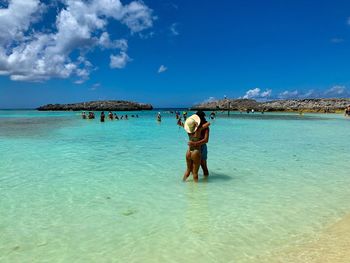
111	116
197	128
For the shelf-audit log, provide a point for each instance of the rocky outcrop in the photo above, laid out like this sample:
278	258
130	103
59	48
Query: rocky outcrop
309	105
225	104
107	105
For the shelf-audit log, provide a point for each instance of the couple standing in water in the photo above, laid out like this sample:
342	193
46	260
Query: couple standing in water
197	129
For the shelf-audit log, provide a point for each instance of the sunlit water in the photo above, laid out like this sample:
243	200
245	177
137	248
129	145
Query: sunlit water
74	190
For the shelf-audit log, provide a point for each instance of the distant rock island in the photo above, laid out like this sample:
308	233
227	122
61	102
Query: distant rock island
307	105
105	105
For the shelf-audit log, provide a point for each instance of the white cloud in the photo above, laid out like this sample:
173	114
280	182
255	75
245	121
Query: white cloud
136	15
311	94
105	42
147	35
336	91
252	93
210	99
162	69
257	94
119	61
296	94
289	94
173	29
337	40
16	19
95	86
266	93
80	26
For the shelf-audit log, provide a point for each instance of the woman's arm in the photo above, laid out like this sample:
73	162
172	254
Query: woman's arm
201	142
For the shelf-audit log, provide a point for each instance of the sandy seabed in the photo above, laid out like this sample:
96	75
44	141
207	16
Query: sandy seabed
332	245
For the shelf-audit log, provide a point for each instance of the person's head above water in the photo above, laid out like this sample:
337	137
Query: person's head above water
192	123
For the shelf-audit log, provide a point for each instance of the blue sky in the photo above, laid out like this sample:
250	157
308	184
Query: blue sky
172	53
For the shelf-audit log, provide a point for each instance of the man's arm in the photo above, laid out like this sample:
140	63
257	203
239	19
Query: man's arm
201	142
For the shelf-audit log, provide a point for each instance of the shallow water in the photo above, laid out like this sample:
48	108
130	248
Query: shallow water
84	191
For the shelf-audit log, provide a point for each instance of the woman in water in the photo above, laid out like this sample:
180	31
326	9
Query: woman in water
159	117
194	128
110	115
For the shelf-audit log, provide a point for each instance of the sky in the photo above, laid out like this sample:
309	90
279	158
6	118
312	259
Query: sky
172	53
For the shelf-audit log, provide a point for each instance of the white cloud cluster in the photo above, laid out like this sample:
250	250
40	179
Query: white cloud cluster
257	94
289	94
210	99
310	94
29	54
119	61
335	91
162	69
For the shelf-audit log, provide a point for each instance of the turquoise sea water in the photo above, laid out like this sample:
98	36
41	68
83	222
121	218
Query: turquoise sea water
74	190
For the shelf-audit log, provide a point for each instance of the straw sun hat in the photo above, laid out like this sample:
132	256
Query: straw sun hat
192	123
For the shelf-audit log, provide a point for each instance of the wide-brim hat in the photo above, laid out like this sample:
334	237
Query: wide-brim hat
192	123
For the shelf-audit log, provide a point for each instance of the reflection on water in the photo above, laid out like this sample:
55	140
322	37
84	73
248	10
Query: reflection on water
197	219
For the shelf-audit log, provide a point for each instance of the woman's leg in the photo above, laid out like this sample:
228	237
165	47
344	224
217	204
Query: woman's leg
196	158
189	165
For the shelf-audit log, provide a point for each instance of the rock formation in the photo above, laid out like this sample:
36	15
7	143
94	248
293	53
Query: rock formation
309	105
107	105
225	104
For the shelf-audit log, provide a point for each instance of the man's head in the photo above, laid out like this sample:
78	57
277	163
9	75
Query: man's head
201	115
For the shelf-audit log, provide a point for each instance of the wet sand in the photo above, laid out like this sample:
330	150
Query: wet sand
333	246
